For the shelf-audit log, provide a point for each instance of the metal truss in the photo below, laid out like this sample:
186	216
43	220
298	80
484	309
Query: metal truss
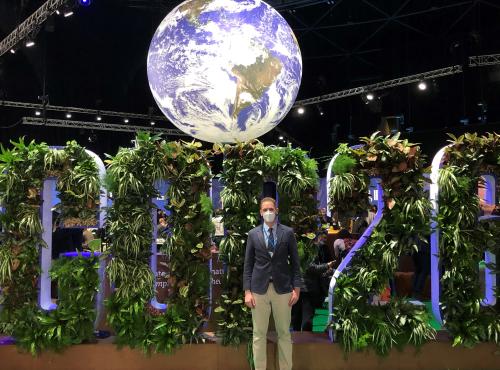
102	125
382	85
60	108
29	25
98	126
484	60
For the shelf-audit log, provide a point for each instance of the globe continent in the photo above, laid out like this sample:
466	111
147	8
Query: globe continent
224	70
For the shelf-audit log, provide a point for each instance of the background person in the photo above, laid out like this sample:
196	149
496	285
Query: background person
315	287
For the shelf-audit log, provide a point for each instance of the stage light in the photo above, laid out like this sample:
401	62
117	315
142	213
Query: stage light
281	138
38	113
422	86
84	2
29	43
370	96
68	115
67	10
125	120
301	110
320	110
12	51
98	118
152	123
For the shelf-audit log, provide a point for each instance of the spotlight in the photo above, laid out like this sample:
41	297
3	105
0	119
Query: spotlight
281	138
370	96
152	123
12	51
422	86
84	2
29	43
301	110
38	113
68	115
125	120
67	11
320	110
98	118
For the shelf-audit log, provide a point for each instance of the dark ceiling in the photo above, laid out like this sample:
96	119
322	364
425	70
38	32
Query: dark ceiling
97	59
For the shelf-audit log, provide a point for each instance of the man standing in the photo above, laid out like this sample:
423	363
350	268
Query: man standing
271	280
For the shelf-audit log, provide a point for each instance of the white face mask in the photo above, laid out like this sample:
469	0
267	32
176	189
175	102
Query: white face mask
269	216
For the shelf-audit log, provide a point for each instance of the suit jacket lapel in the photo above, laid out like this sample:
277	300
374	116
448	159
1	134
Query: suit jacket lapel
279	236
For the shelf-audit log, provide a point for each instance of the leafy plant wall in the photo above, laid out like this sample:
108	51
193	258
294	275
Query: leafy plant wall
22	172
245	168
464	240
131	178
405	223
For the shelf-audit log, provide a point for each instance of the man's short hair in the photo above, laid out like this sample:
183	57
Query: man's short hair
267	199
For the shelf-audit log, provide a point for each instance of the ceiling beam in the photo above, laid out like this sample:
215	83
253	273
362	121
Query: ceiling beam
398	17
393	19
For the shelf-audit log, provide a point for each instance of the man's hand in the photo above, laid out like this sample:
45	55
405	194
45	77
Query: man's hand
295	297
249	299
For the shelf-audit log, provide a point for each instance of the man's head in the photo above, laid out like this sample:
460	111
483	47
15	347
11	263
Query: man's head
322	211
268	210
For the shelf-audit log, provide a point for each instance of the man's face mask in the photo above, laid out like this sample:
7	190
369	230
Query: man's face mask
269	216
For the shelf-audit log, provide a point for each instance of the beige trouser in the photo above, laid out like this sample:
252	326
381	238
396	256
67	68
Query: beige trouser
282	313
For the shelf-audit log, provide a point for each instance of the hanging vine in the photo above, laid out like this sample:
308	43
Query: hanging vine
405	223
464	240
22	172
132	175
245	168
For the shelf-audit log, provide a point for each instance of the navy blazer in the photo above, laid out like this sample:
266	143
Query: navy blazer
284	266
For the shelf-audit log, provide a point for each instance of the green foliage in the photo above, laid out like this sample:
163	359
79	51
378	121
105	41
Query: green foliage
349	193
359	324
343	164
73	320
467	157
78	188
132	175
246	166
23	169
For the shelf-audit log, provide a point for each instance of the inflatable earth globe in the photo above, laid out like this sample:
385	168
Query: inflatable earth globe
224	70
